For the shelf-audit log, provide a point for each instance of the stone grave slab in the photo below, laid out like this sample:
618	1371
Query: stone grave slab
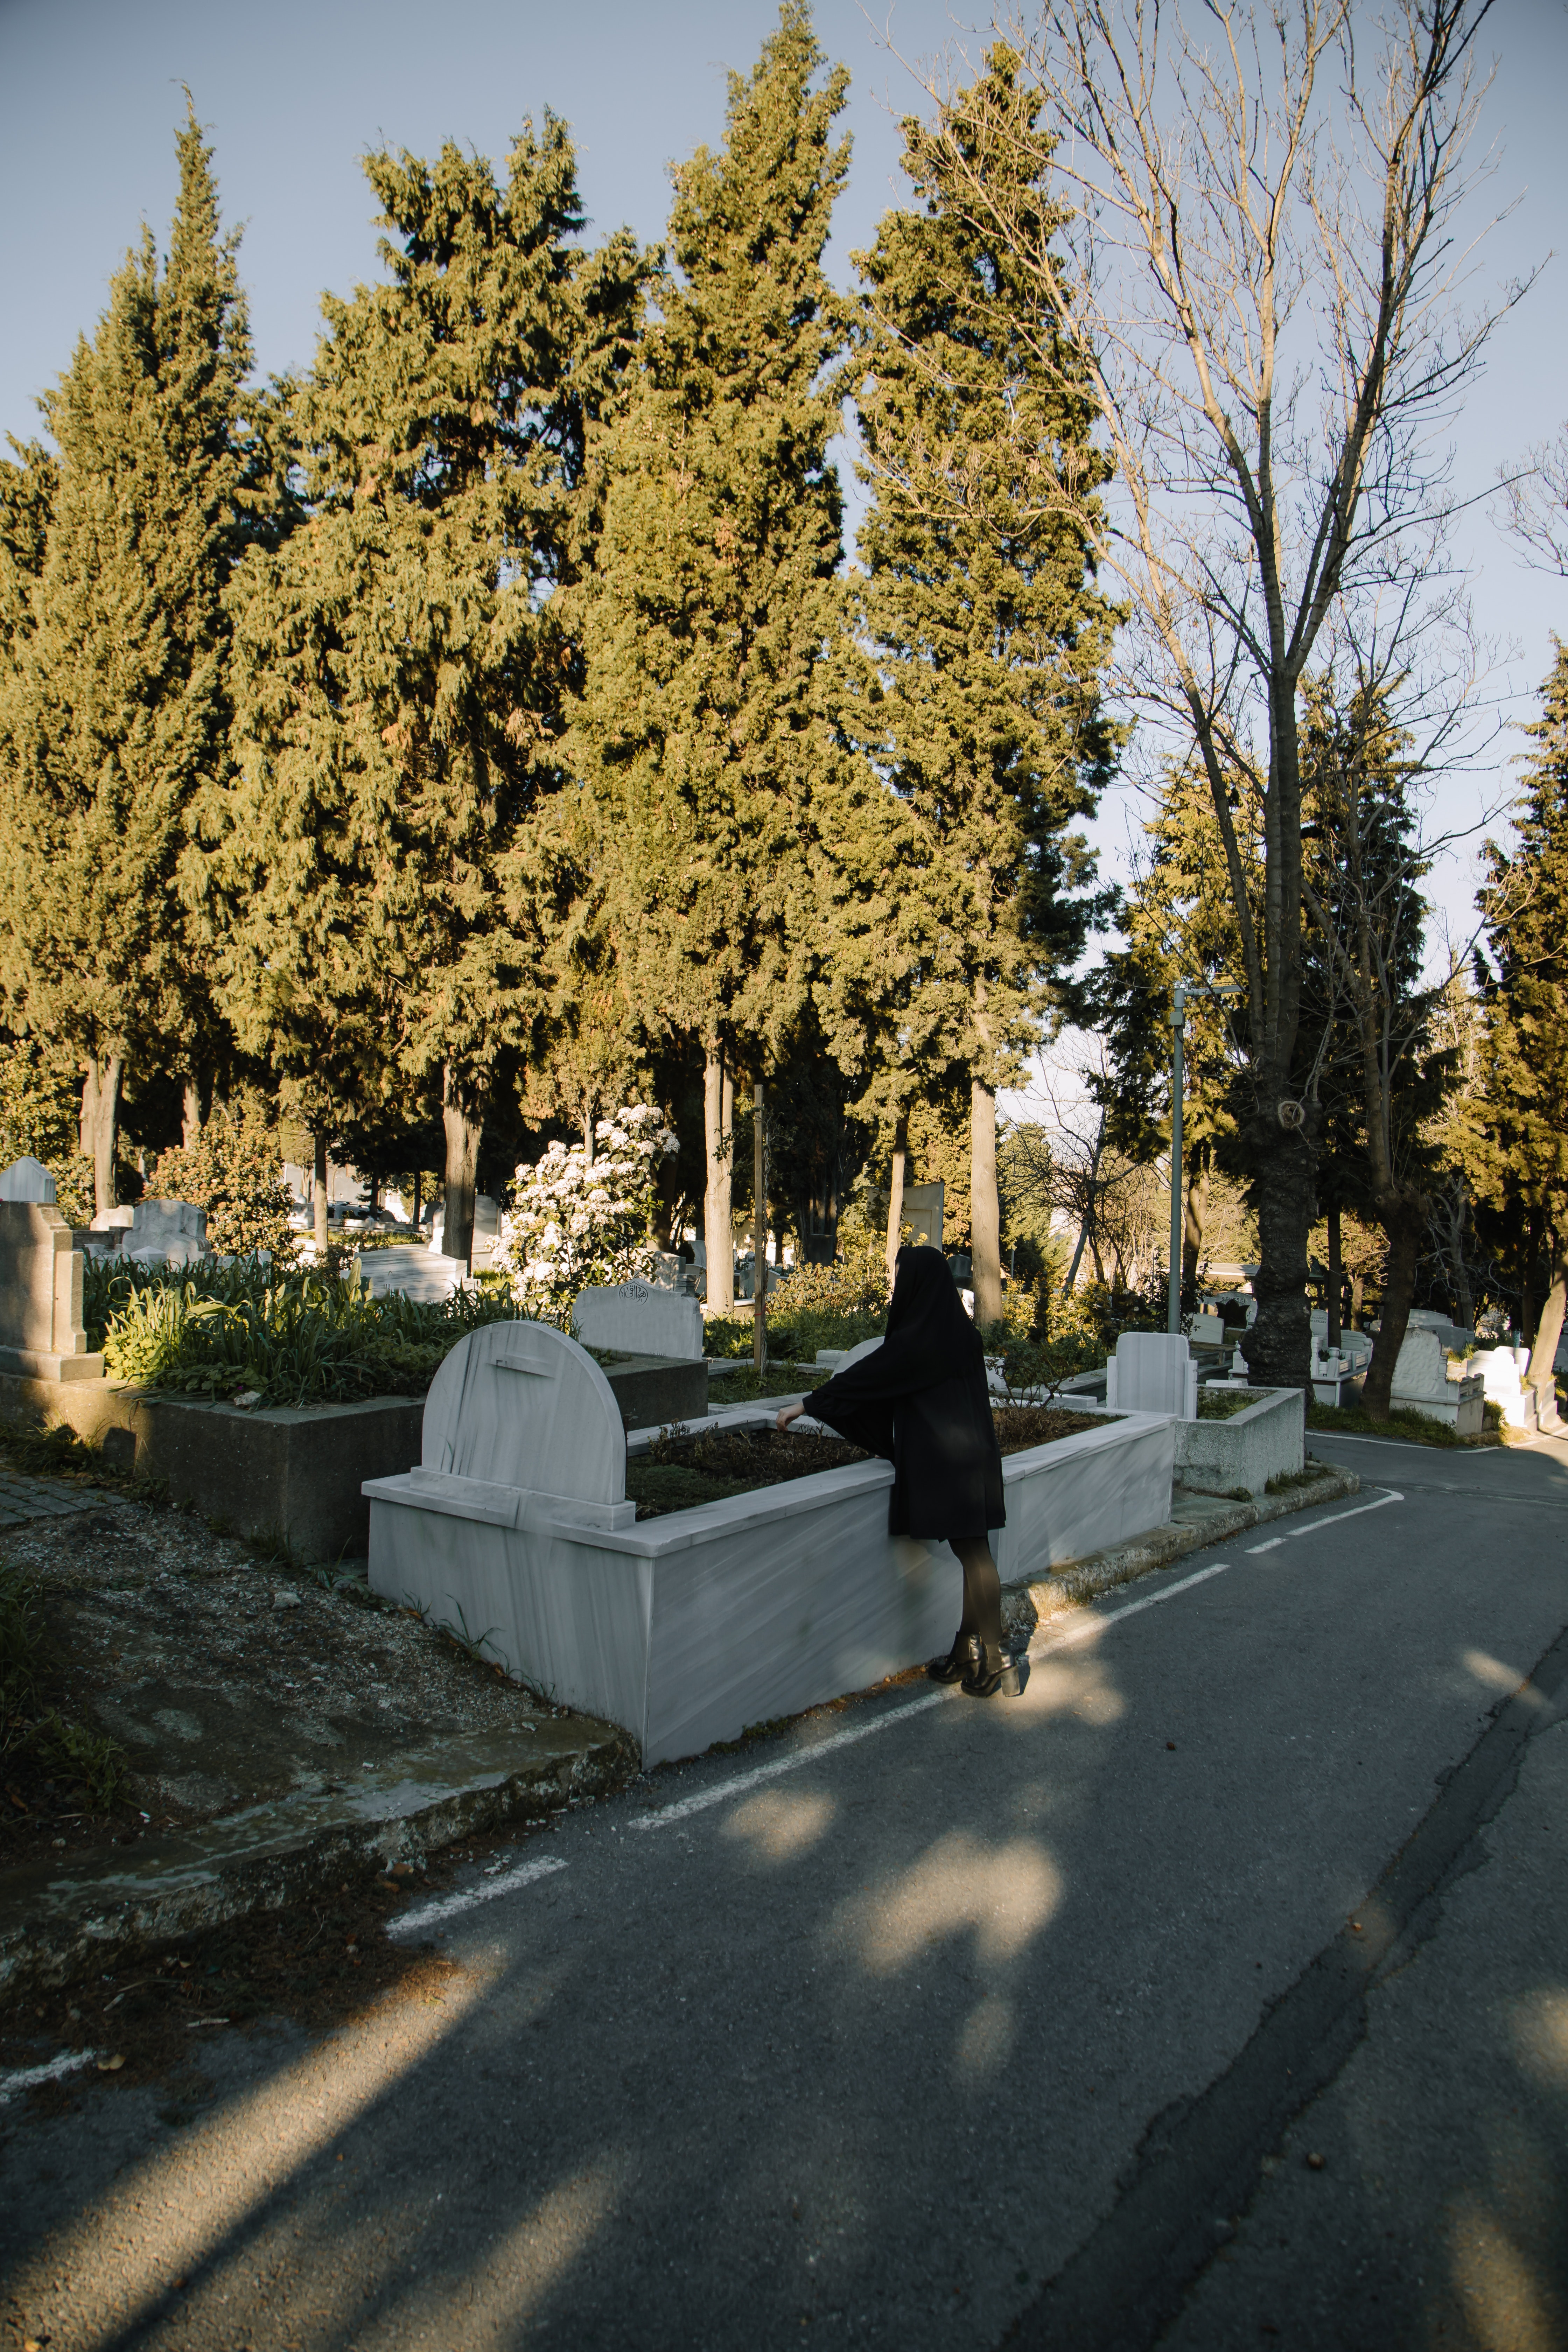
639	1319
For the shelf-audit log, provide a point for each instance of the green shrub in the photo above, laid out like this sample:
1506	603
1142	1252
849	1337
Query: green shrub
1036	1368
293	1338
233	1170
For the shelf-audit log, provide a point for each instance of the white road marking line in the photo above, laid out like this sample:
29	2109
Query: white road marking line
448	1905
1272	1545
1390	1494
722	1791
27	2078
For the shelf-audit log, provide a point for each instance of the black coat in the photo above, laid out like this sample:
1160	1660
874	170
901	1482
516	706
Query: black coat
921	1400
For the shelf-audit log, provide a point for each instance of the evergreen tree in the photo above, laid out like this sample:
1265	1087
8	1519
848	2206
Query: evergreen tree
116	713
984	638
700	730
403	657
1366	1014
1522	1154
1179	923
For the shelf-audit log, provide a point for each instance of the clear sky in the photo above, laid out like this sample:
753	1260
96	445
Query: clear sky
293	94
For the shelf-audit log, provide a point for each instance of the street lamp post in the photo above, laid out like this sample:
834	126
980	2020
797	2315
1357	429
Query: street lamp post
1179	995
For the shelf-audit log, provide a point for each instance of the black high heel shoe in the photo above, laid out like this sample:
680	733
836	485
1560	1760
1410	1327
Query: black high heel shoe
961	1660
993	1671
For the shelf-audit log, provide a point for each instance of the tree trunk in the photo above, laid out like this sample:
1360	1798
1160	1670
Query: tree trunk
1541	1375
1527	1284
1336	1282
718	1221
896	1188
192	1119
319	1190
1464	1297
1398	1296
465	1125
100	1127
1277	1347
1194	1219
985	1211
418	1202
1358	1287
590	1107
758	1237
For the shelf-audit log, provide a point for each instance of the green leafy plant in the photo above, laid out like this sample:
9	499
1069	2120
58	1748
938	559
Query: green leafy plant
296	1337
1034	1369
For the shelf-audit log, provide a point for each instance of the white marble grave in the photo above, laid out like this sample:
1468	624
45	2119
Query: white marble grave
166	1232
1503	1371
688	1628
27	1179
1152	1371
420	1273
1421	1385
641	1318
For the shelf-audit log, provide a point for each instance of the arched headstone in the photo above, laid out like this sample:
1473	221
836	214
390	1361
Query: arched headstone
519	1404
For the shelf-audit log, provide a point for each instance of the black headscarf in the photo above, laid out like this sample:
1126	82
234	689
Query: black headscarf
929	1337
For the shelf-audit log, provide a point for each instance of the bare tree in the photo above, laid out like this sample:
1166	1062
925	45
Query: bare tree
1535	499
1260	289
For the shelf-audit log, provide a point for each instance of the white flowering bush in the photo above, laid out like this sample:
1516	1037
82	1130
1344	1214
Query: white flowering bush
572	1223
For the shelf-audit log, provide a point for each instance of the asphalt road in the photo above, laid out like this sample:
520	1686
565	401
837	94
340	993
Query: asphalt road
934	2023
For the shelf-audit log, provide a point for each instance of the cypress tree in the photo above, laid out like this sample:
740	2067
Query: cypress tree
984	635
699	726
403	656
1521	1153
117	715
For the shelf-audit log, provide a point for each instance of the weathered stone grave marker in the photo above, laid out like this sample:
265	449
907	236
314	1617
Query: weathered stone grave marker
42	1334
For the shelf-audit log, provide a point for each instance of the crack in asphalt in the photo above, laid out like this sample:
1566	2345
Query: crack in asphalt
1200	2161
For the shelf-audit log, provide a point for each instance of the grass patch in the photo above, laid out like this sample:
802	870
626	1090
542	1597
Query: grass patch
1222	1404
1285	1482
1415	1428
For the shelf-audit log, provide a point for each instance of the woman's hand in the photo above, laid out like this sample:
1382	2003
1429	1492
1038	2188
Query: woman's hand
791	1413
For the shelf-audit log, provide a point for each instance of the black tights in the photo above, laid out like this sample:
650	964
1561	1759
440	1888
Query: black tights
982	1591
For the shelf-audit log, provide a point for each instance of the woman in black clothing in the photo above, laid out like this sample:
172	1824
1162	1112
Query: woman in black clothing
921	1400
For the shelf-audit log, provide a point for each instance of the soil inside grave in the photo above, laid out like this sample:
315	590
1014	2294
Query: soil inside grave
209	1678
678	1473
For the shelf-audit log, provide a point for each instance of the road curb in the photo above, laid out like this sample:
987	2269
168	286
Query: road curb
71	1925
1200	1520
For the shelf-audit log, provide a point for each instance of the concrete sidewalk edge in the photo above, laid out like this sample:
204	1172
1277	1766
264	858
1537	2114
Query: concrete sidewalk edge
1199	1520
268	1855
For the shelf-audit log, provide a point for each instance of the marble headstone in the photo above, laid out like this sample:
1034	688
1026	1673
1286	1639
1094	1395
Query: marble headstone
1152	1371
27	1179
521	1405
641	1318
